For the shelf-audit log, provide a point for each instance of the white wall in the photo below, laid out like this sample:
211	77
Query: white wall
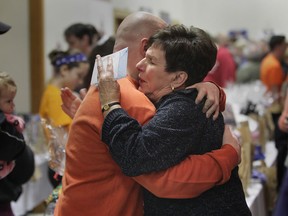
14	49
59	14
173	7
221	16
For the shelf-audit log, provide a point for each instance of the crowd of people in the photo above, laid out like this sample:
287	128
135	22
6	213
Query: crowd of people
154	142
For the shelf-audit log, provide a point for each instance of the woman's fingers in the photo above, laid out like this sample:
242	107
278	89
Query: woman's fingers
109	70
99	66
103	74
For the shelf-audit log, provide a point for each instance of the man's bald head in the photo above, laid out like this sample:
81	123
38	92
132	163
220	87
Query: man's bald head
133	33
136	26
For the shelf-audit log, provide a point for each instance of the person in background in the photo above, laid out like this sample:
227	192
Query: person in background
94	181
271	72
249	70
224	70
272	76
87	39
16	158
67	73
281	207
177	57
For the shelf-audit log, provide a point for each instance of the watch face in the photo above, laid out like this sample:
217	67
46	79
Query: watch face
106	107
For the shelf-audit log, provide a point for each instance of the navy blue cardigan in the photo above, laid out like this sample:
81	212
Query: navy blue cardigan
178	129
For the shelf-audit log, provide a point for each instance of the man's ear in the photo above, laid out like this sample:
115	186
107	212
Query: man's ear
179	79
143	47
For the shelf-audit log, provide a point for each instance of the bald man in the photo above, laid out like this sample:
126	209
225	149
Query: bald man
93	184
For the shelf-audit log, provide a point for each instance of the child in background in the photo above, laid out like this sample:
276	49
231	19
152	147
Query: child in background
12	142
16	159
69	71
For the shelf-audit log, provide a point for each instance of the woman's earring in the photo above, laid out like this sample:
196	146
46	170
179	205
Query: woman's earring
172	87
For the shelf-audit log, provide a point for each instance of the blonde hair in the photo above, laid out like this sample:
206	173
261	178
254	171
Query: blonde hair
6	83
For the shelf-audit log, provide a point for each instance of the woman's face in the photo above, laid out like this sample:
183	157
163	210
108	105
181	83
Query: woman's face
7	101
154	81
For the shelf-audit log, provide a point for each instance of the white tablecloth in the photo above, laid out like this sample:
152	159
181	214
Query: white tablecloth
256	199
34	191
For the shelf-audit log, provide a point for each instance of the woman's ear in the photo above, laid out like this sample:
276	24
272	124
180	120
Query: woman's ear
143	47
179	79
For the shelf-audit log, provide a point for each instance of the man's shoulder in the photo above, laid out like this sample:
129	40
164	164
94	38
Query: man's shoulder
130	93
269	61
135	102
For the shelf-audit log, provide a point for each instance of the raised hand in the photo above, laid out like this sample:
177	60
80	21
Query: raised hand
70	101
108	87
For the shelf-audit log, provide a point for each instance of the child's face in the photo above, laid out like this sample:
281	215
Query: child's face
7	101
74	77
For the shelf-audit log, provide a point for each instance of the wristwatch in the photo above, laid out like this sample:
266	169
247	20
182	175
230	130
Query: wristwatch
106	107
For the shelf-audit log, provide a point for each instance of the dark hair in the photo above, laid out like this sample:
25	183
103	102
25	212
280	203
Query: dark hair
56	55
186	49
276	40
79	30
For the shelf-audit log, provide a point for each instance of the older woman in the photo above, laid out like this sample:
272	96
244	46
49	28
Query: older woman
176	58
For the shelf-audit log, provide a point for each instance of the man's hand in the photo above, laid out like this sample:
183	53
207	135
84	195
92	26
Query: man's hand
6	168
211	91
231	139
70	101
283	122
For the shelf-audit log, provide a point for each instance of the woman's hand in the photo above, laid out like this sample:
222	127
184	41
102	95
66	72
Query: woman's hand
109	89
231	139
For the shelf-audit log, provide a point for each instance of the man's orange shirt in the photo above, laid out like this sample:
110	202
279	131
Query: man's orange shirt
271	72
93	183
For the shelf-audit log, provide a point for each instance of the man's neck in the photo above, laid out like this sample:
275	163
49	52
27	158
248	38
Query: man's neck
135	82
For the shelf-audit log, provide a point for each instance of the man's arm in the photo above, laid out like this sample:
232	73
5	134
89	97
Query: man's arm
195	174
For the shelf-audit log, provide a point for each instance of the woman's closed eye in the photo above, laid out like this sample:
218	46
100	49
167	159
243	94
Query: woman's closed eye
149	61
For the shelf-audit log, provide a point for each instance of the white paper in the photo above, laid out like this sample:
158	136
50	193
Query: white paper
119	65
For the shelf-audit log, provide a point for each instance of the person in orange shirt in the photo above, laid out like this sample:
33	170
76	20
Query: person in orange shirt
271	71
93	184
